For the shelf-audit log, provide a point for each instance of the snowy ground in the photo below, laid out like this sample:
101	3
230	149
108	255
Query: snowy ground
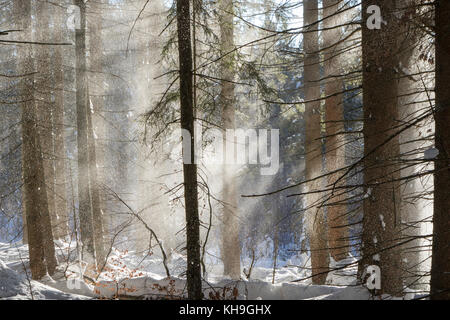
143	277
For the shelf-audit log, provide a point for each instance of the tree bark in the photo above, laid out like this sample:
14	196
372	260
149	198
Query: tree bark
84	192
415	210
96	59
44	140
315	220
230	230
194	284
97	215
335	142
440	268
381	222
60	226
44	82
39	233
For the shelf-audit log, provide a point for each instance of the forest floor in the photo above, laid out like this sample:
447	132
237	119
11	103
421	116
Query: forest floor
128	276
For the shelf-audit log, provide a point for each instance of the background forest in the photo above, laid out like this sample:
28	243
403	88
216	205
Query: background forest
112	112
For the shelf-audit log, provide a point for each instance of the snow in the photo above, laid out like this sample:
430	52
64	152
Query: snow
431	154
143	277
344	272
349	293
15	286
383	224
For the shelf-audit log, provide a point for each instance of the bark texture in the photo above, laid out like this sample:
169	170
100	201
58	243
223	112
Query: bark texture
440	268
96	54
315	220
84	192
335	142
415	209
194	284
60	225
230	232
34	201
381	222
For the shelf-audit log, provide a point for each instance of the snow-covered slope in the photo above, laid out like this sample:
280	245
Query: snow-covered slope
135	277
16	286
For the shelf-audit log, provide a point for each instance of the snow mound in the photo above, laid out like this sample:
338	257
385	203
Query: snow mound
14	284
10	282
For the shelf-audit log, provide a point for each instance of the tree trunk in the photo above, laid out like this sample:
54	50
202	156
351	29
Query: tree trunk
84	194
44	105
96	59
440	268
415	210
194	284
97	216
60	226
335	142
40	239
230	229
381	222
44	140
315	220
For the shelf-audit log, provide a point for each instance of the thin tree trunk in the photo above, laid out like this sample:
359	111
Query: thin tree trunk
61	228
84	194
315	220
96	53
230	229
335	144
381	222
275	252
194	284
97	215
440	269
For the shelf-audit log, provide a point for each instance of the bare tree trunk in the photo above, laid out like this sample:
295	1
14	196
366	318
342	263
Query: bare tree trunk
40	239
31	184
30	191
440	269
96	60
97	215
231	252
335	142
412	210
194	284
60	226
415	209
315	220
381	222
84	193
44	140
275	252
44	104
45	219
